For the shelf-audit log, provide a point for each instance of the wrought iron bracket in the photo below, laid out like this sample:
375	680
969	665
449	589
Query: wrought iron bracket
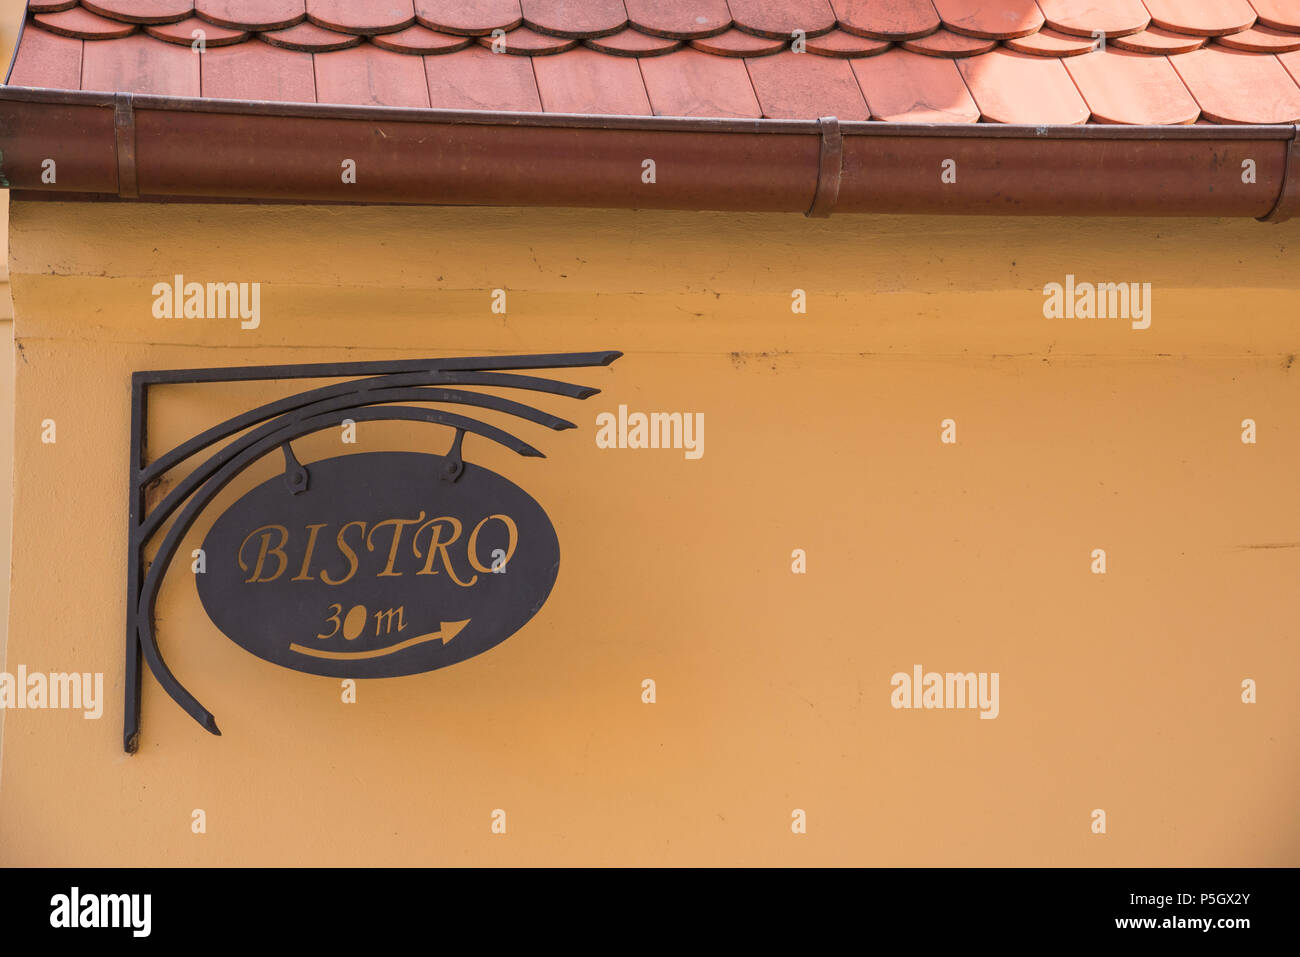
372	393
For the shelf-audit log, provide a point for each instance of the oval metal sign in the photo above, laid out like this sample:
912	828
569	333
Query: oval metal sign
380	567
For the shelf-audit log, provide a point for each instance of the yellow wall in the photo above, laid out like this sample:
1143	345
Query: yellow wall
1119	692
6	437
11	18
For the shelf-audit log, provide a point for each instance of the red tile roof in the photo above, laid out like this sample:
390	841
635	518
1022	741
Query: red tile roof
931	61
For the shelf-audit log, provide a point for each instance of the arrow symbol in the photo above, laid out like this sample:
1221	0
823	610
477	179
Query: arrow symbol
448	631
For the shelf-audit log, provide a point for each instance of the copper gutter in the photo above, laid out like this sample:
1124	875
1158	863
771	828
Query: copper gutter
111	146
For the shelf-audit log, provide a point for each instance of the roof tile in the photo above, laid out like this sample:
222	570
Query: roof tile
1084	18
681	19
1260	39
366	17
1236	87
838	43
83	25
779	19
1014	88
1157	40
310	38
365	75
691	83
1279	14
903	87
476	19
186	32
1203	18
1051	43
139	64
797	86
47	59
992	21
1122	87
566	18
737	43
631	42
478	79
141	11
627	55
522	41
887	19
1291	63
945	43
252	14
584	81
258	71
421	40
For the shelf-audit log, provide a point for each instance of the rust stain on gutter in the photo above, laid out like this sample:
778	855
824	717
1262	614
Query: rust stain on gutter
124	146
111	146
830	168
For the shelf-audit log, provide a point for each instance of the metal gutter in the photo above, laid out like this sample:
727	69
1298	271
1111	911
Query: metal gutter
128	146
1288	200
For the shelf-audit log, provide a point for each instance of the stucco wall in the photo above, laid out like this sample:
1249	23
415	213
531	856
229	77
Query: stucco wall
6	437
1119	692
11	18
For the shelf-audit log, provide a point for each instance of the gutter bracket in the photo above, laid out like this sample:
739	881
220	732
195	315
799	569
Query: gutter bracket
830	169
1288	197
124	144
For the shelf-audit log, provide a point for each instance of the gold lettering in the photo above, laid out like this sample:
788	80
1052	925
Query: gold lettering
277	551
302	575
436	546
512	541
398	524
346	549
337	608
387	619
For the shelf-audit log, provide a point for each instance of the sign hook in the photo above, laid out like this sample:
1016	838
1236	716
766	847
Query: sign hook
455	463
295	475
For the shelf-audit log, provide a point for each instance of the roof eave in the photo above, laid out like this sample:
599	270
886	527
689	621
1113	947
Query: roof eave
134	146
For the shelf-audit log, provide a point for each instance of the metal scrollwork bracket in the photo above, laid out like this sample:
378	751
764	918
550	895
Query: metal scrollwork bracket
374	391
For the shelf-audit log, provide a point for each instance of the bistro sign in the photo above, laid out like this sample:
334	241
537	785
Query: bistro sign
380	568
368	565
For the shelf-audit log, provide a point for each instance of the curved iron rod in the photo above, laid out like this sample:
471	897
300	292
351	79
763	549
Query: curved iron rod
159	513
436	377
167	550
320	370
